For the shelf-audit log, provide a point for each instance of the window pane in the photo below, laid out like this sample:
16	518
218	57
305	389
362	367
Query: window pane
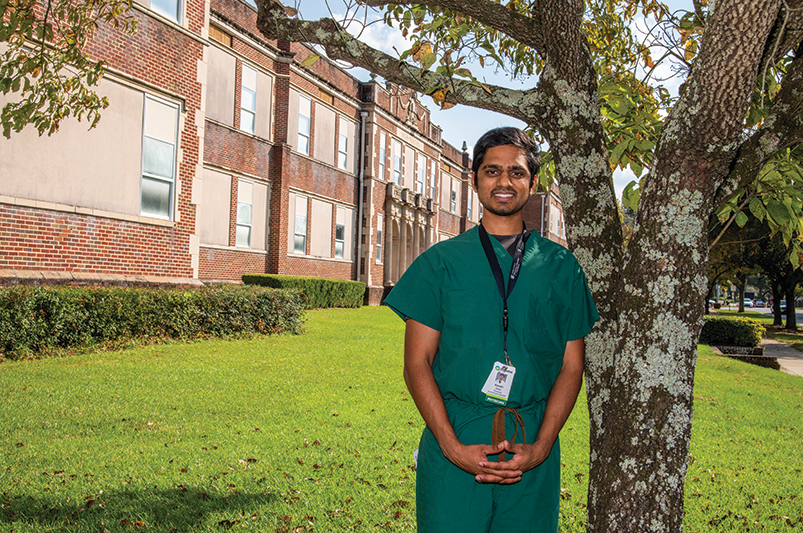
301	225
339	249
248	99
303	125
340	232
244	214
341	160
155	198
243	236
299	244
168	8
158	158
247	120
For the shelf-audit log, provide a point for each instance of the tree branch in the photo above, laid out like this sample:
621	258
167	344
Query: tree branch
522	28
786	34
781	129
274	23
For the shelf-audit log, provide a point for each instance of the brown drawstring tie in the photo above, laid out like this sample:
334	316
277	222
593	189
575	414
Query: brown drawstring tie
498	428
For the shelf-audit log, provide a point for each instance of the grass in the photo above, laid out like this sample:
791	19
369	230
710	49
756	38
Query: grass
316	432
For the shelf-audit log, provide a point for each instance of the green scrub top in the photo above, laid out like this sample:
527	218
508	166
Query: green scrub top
451	289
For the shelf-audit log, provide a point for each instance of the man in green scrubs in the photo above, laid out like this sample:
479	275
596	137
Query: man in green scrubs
453	299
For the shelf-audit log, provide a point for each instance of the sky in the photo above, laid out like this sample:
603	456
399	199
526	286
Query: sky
462	123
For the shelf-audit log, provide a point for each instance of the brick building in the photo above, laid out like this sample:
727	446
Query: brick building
221	155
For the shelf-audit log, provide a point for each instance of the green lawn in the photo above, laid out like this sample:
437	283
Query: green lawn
316	432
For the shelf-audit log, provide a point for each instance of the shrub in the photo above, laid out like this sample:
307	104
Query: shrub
320	292
731	331
35	320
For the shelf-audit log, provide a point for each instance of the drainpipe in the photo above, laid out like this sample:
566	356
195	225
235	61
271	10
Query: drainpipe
361	197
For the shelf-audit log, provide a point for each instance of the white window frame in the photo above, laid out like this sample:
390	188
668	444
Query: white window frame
304	137
380	232
245	213
174	16
149	176
343	144
248	115
397	162
301	219
382	154
421	174
340	241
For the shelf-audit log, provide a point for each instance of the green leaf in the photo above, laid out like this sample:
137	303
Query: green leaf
631	196
741	219
637	167
311	60
428	60
779	212
758	209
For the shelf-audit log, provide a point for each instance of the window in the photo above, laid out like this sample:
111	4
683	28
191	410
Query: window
380	226
304	121
169	8
382	155
343	144
432	178
300	227
248	99
245	202
219	35
469	203
340	233
455	195
158	158
454	201
482	210
397	162
326	97
420	176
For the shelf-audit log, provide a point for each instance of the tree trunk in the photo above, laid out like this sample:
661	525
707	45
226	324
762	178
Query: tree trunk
776	303
742	283
791	315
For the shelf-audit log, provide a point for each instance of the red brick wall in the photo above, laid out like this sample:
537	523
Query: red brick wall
35	239
217	264
320	268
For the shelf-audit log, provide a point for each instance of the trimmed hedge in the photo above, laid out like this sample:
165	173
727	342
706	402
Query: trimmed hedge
320	292
36	320
731	331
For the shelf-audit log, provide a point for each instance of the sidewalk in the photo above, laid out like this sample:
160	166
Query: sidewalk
791	360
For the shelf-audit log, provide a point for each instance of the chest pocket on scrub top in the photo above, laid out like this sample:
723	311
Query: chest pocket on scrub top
469	318
545	335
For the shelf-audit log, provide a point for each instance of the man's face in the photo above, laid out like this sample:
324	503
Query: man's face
503	180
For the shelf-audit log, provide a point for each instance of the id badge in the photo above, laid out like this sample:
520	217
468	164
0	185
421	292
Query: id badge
497	386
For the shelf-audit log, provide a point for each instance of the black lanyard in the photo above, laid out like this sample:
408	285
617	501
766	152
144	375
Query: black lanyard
518	257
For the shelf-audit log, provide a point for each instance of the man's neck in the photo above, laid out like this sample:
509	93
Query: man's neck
503	225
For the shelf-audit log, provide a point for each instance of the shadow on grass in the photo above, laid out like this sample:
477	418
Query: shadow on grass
183	508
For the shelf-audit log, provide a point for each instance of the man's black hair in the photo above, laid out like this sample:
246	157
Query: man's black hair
502	137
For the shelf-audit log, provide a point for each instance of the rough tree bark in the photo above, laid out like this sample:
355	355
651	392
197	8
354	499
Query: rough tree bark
641	356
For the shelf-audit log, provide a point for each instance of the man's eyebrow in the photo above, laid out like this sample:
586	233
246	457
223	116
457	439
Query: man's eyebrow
495	166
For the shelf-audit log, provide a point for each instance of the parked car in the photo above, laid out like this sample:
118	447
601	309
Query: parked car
748	302
783	307
758	303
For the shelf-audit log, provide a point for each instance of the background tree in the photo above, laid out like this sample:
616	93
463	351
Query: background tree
641	357
43	65
783	276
